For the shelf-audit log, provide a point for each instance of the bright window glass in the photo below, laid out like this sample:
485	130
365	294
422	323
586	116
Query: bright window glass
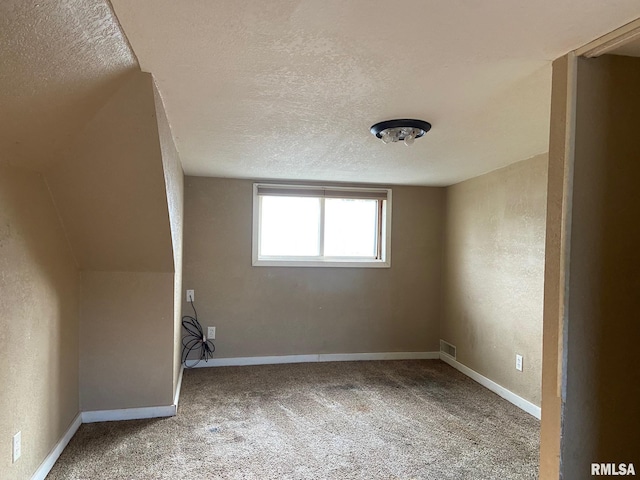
290	226
350	227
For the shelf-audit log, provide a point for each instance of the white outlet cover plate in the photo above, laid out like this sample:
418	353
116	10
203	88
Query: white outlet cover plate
17	446
191	296
519	362
211	333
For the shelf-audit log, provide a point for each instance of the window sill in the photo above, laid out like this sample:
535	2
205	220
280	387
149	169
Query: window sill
333	263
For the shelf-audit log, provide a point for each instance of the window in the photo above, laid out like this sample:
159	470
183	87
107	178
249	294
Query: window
296	225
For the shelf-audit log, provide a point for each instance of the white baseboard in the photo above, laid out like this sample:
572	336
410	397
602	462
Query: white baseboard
508	395
353	357
322	357
129	414
242	361
47	464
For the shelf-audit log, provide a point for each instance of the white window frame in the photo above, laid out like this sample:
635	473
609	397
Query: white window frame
350	262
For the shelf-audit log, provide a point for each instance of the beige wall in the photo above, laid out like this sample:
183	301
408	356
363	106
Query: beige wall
114	200
494	265
174	181
126	335
38	323
285	311
600	420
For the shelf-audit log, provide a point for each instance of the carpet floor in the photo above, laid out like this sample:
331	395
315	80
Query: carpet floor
399	420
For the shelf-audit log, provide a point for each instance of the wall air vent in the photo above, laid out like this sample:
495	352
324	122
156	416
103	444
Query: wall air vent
448	349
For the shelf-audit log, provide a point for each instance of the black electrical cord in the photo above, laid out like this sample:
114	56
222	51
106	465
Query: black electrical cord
195	340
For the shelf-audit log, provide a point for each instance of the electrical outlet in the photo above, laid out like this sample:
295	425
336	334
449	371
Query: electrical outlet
519	362
191	296
211	333
17	446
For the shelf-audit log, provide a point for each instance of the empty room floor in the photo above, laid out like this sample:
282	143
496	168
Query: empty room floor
417	419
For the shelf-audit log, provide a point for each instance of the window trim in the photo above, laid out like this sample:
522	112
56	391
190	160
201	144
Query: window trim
384	243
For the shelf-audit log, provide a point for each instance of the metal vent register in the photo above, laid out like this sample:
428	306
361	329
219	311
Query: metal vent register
448	349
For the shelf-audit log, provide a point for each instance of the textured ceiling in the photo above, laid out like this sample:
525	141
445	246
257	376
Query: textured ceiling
59	61
288	89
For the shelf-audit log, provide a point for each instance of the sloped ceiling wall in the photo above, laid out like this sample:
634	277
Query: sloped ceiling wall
110	187
61	60
74	105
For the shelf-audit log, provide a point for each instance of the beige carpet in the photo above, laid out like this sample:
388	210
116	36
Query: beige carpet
352	420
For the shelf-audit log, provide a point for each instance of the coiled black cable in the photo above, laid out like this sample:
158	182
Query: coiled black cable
195	340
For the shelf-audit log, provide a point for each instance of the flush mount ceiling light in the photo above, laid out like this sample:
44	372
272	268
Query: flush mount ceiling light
406	130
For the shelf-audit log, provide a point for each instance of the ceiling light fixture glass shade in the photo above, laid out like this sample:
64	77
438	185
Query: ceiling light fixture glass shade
404	130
